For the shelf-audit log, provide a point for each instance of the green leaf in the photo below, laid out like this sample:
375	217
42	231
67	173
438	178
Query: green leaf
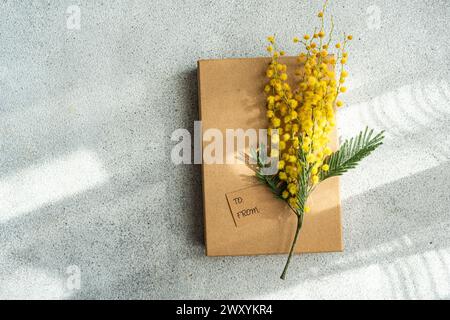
303	178
351	153
272	181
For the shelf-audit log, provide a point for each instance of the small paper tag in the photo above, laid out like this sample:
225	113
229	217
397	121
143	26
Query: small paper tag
252	204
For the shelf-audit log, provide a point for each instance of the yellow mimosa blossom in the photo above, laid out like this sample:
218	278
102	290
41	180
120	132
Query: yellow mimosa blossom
292	159
292	188
301	107
310	158
282	175
293	202
304	113
276	122
315	179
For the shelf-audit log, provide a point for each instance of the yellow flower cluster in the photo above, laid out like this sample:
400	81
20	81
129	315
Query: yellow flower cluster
303	115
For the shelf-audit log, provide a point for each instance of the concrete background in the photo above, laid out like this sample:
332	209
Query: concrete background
86	182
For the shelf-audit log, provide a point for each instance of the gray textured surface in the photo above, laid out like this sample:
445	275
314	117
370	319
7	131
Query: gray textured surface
85	176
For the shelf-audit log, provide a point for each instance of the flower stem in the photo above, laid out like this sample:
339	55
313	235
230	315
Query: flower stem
299	226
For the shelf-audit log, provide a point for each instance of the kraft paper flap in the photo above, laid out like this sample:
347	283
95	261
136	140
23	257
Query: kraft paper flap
231	96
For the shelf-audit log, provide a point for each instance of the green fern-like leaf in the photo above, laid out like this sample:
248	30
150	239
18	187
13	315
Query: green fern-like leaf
351	153
303	178
272	181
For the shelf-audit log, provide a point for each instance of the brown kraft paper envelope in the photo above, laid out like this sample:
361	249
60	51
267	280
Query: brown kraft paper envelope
242	216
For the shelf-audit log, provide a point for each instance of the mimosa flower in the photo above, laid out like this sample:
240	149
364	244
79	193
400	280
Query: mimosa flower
303	112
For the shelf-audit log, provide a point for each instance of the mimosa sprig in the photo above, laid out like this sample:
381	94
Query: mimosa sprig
302	118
